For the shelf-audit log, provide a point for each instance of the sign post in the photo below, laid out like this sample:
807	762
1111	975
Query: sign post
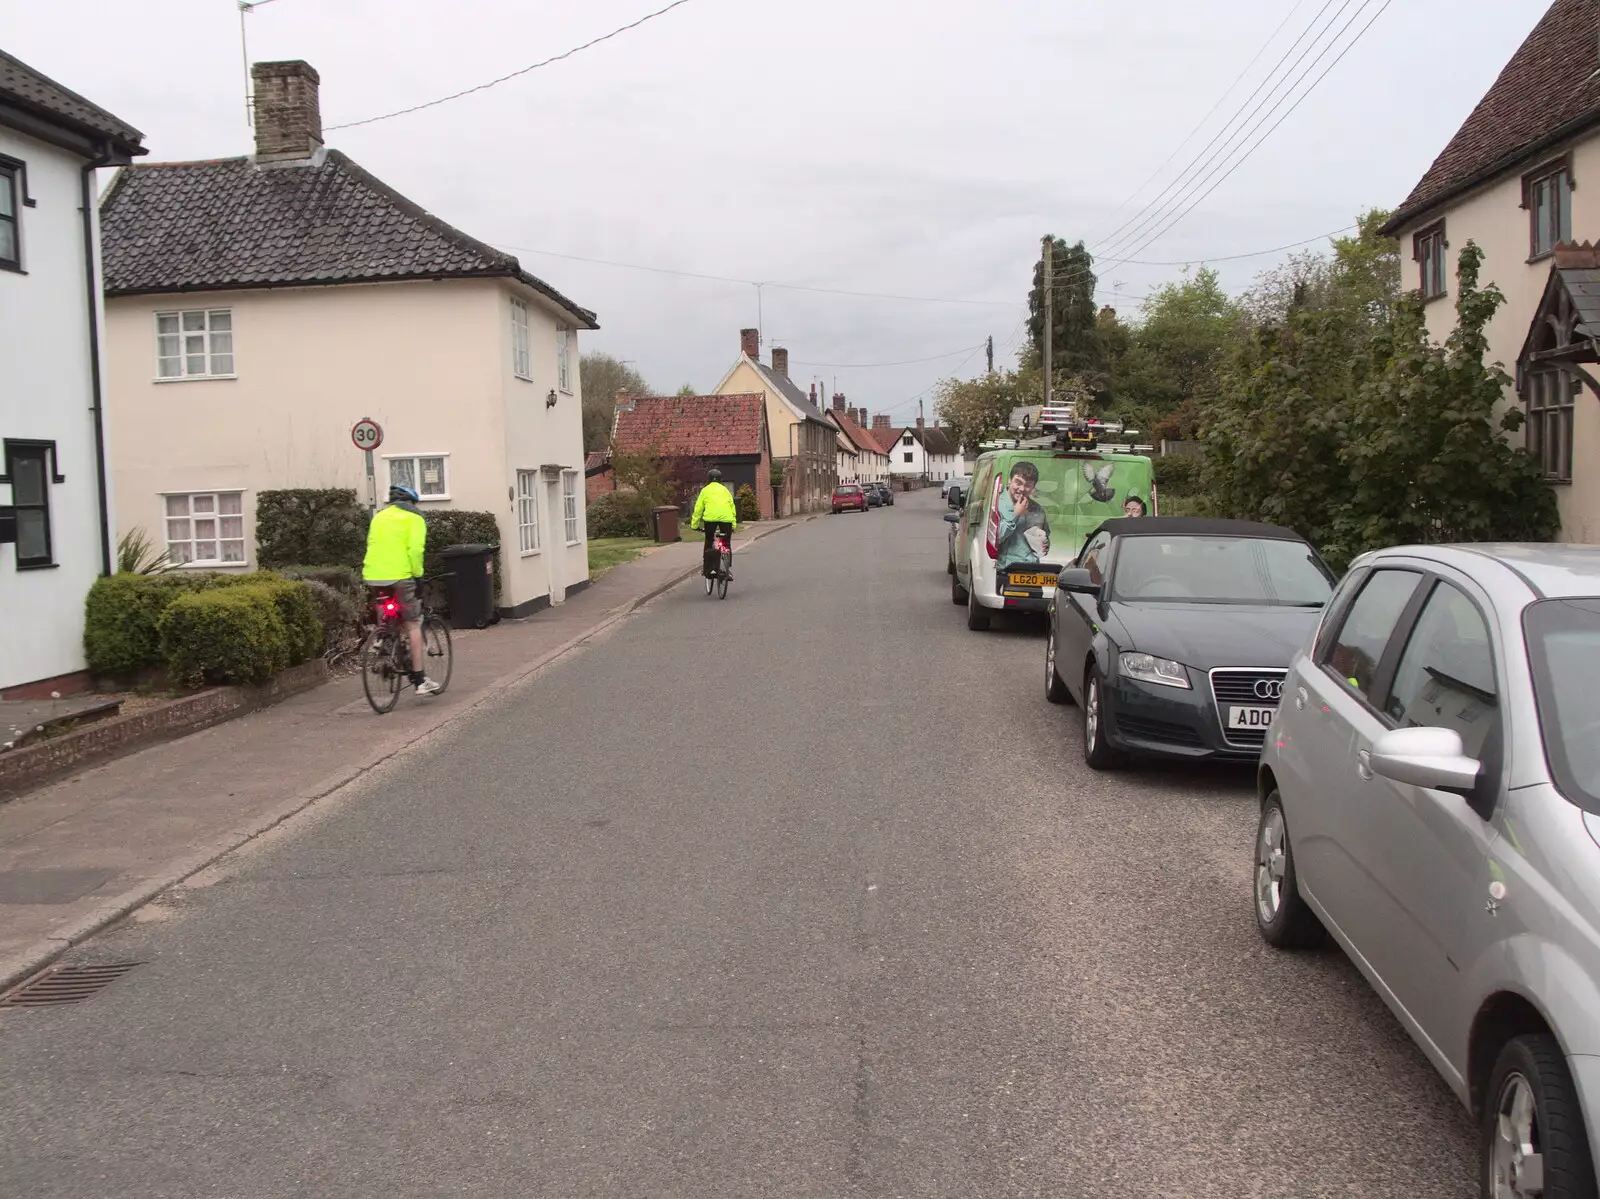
368	436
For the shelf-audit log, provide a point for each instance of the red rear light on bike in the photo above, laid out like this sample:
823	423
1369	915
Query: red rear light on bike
390	607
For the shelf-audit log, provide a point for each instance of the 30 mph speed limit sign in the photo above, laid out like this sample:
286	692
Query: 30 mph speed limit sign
367	435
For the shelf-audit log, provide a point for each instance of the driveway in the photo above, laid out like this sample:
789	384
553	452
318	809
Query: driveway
806	892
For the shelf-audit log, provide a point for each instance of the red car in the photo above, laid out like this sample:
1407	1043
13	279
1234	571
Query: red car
849	495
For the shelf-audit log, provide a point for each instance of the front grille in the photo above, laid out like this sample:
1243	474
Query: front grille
1239	687
1160	731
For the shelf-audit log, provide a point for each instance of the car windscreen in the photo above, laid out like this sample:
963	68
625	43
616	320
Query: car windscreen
1219	570
1563	638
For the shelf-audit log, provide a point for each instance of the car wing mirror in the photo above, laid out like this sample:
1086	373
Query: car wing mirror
952	517
1425	757
1078	581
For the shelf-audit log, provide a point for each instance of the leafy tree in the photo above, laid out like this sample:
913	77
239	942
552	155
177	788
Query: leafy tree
601	377
687	390
1075	347
1176	348
972	410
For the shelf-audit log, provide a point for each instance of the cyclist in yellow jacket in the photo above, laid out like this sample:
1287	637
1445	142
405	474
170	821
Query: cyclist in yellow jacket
396	539
714	508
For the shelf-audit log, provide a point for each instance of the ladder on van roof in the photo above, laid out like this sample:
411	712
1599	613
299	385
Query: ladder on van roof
1058	427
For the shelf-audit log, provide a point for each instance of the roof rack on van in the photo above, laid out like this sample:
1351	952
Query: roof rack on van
1057	426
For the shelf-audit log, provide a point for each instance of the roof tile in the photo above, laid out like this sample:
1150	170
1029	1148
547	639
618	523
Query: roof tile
691	426
24	86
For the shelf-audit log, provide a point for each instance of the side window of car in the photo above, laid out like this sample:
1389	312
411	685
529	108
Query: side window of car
1093	554
1446	674
1354	653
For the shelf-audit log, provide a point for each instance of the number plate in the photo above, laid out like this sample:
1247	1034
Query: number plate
1250	718
1017	580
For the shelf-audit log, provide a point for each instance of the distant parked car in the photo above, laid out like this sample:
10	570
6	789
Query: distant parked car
1175	634
886	492
874	496
949	485
1430	795
849	496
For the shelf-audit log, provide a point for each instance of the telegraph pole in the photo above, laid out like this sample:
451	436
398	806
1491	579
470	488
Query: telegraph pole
991	353
1049	312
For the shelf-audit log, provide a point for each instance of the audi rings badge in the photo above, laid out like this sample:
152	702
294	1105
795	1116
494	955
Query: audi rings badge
1269	689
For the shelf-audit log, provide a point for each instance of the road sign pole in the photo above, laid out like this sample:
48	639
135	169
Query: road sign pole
372	485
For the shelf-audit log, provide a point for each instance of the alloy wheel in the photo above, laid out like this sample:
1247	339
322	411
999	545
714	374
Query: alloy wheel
1516	1165
1270	866
1091	715
1049	661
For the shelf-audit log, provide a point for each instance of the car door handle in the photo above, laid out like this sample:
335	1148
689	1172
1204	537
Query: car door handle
1364	764
1300	699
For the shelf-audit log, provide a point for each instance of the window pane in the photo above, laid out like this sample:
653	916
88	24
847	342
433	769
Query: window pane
205	503
233	551
432	476
205	551
222	343
27	477
177	505
177	530
167	322
1366	631
8	194
221	320
8	239
1563	205
233	526
402	472
33	533
168	345
205	528
1446	675
181	551
230	503
222	364
195	365
194	321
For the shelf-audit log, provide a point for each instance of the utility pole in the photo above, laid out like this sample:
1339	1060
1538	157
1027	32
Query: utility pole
1049	312
991	353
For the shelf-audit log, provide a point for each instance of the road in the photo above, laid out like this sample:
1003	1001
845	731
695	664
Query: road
803	893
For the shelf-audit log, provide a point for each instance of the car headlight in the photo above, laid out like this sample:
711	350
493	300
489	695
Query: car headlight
1148	668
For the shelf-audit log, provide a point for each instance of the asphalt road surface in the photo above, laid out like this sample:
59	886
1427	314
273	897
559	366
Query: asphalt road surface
802	893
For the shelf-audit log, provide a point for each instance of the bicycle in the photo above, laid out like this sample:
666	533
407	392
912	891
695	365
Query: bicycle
386	650
718	580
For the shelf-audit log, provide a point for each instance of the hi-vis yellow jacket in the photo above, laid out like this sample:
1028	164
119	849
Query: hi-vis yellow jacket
714	503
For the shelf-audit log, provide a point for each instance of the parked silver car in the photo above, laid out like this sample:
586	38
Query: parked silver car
1430	795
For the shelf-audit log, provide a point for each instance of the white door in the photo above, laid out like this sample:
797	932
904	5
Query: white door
556	548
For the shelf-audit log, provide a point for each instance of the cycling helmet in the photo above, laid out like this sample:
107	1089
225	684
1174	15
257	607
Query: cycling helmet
401	494
714	475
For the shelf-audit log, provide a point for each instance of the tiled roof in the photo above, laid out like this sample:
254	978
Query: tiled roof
691	426
596	461
937	441
861	438
21	85
1549	90
226	224
786	387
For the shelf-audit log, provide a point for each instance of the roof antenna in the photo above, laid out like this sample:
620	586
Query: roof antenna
247	6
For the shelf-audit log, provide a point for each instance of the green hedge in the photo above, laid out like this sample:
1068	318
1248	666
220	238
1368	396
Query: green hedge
345	579
240	634
451	526
746	504
326	526
619	514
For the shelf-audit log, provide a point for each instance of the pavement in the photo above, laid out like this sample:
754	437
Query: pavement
83	852
802	893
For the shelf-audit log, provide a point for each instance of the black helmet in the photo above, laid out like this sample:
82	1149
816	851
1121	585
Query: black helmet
714	475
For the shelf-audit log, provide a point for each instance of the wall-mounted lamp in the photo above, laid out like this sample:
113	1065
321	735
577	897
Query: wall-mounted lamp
550	400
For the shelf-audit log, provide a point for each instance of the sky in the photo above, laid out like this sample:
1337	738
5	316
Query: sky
917	152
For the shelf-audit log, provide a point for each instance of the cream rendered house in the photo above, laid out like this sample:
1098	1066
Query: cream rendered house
257	308
1521	177
804	444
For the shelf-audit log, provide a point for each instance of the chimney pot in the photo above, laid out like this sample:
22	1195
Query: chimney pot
750	344
288	113
881	421
780	360
838	401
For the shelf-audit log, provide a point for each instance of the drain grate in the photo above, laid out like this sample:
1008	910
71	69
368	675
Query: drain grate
72	983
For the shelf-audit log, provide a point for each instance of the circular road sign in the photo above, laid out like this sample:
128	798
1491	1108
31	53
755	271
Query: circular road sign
366	434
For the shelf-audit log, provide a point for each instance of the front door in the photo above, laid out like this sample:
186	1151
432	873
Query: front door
556	551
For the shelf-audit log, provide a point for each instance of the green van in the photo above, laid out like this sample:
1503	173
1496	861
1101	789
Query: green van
1027	513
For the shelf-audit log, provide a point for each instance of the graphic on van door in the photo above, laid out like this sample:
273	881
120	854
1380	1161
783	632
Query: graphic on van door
1024	535
1034	504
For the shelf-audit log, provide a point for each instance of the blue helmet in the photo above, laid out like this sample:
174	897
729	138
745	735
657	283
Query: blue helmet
400	493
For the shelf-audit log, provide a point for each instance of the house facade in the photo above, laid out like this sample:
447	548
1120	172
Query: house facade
868	460
692	434
1512	181
257	308
923	452
56	522
804	445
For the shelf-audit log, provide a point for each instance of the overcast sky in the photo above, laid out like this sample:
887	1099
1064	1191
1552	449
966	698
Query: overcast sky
862	145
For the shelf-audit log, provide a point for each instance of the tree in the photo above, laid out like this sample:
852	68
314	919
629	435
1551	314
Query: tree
687	390
1176	348
972	410
601	377
1074	347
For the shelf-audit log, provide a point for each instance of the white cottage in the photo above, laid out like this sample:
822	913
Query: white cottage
55	500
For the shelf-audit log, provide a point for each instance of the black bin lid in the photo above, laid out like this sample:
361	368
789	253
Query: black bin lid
466	551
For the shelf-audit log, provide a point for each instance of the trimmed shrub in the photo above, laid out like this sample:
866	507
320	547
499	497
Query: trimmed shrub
340	614
121	633
226	635
344	579
619	514
1180	472
325	526
746	504
302	620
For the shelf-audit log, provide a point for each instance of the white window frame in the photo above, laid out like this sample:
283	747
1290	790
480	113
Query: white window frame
216	514
564	359
521	356
216	344
569	505
416	473
529	484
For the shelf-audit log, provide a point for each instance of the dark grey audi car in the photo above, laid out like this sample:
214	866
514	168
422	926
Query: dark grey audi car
1174	634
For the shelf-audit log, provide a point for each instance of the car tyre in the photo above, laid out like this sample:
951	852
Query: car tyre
1283	917
1097	752
1054	689
1532	1132
958	593
977	617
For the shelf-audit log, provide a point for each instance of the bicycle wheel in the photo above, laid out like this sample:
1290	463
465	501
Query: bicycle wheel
436	650
710	583
722	587
381	676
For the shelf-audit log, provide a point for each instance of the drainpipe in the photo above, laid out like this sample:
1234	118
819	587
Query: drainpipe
92	285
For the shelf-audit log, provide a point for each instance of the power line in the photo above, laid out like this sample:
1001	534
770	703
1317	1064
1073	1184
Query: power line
863	366
514	74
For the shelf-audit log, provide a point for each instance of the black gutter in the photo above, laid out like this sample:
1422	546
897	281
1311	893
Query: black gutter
103	158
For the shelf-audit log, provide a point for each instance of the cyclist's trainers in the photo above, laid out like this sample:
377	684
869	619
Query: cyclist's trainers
428	687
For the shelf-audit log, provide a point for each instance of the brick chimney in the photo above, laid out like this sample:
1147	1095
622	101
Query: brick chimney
860	417
838	401
750	344
780	361
624	400
881	421
288	114
813	393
